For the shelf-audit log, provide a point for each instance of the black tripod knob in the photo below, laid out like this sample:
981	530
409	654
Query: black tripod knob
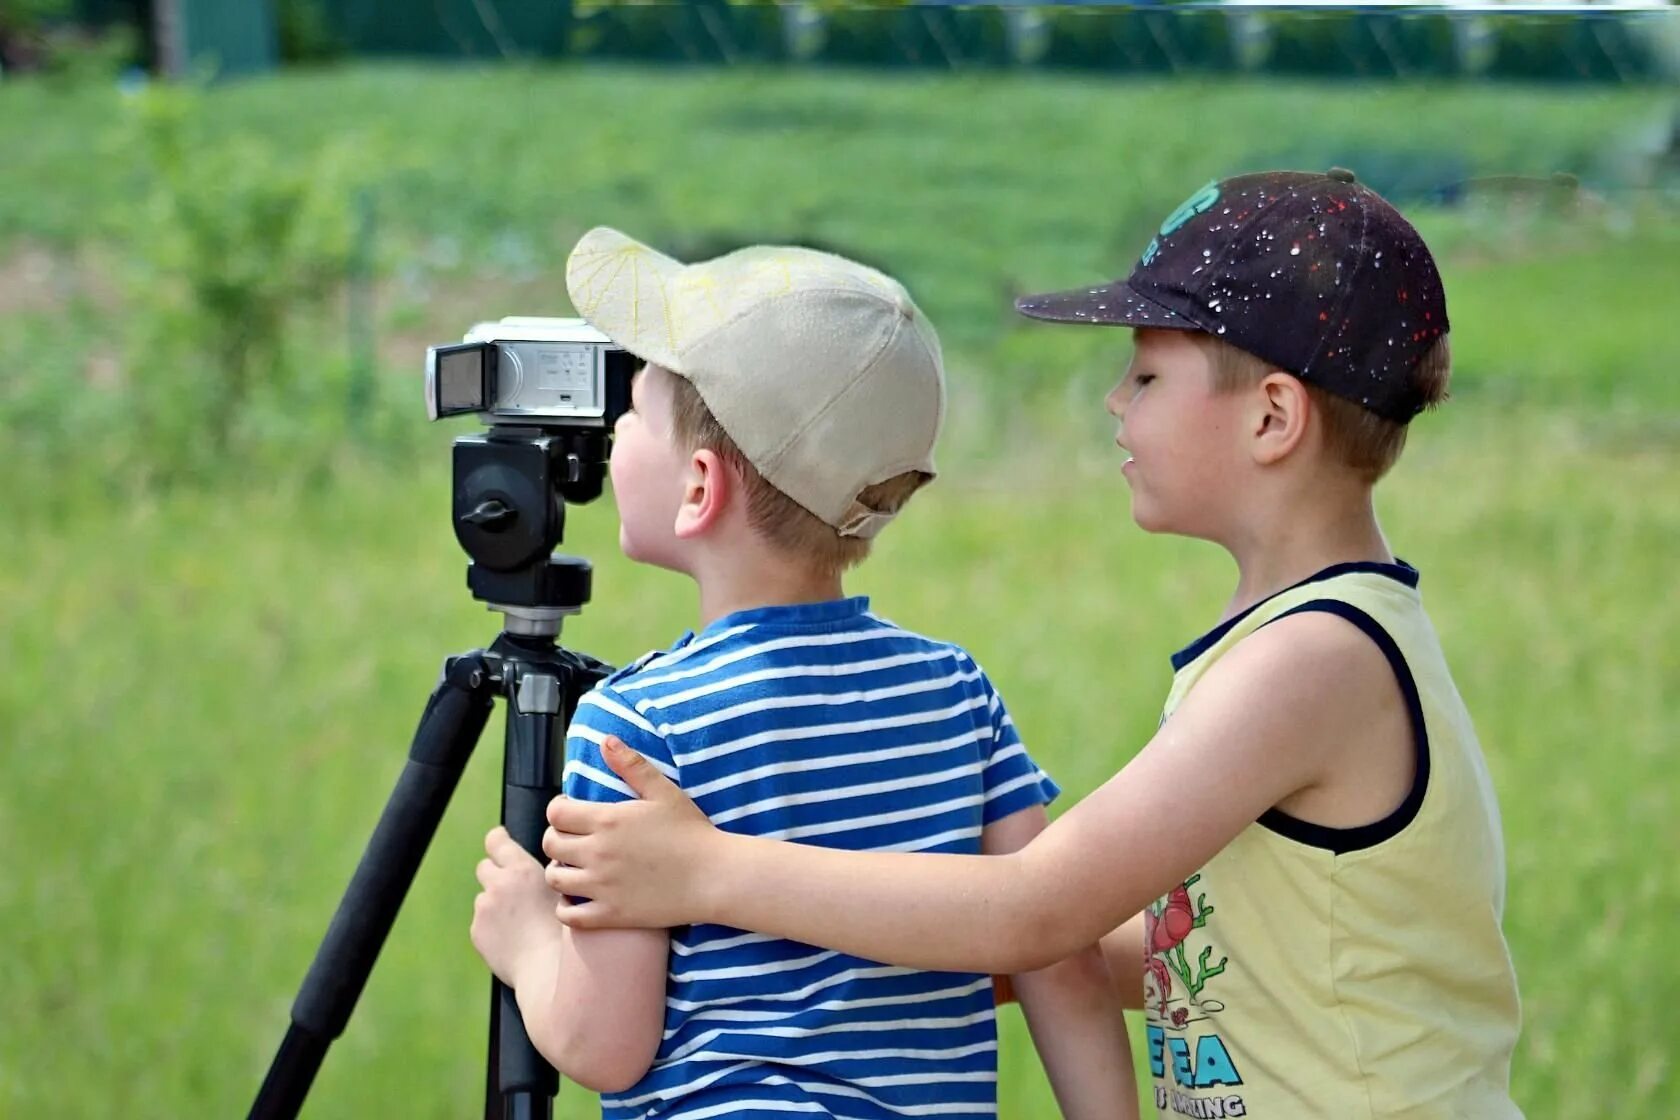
492	515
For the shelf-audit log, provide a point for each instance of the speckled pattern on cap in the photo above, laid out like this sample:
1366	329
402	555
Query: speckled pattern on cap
1315	273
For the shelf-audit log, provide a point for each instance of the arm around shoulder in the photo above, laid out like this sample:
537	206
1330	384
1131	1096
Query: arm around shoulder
1250	734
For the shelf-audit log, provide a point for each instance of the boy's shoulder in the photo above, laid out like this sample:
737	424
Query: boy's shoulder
1311	685
1365	595
624	692
628	670
689	655
698	666
961	659
619	694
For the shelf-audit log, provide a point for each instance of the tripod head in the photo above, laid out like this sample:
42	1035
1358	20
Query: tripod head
550	390
511	486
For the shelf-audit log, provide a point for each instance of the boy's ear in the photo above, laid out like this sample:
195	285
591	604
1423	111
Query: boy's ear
708	487
1279	419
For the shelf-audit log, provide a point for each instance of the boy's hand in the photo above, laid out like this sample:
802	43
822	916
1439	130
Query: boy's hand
513	916
640	863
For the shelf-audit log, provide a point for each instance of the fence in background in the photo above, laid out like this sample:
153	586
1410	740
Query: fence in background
1602	42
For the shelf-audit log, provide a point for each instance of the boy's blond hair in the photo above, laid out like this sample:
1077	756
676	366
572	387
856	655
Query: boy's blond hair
1364	441
782	521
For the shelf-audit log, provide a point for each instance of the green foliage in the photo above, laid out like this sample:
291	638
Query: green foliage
24	26
1141	39
1332	44
305	33
207	341
238	251
1564	49
79	56
30	15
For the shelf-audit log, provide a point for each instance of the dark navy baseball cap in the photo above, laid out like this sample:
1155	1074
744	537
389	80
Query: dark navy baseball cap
1316	274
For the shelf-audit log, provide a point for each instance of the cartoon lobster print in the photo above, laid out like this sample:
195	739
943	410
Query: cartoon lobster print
1166	924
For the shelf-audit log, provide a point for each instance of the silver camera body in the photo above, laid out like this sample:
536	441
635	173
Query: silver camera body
549	373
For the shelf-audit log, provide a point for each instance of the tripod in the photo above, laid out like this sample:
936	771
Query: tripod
509	518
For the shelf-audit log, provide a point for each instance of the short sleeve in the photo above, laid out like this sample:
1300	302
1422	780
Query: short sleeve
1012	779
600	713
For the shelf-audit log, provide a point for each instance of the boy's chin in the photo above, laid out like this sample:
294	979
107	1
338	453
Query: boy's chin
1153	519
1147	517
633	550
641	552
1158	522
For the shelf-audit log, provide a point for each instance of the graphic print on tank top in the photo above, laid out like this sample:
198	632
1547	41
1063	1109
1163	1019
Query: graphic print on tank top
1179	960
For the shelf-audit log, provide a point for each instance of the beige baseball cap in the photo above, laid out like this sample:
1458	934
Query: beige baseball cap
823	372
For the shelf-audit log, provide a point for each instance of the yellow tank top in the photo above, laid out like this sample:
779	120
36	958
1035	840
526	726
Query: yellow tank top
1310	973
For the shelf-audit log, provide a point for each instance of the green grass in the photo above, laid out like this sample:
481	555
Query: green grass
206	695
206	703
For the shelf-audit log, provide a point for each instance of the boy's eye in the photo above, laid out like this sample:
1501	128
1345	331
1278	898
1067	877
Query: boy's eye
1143	379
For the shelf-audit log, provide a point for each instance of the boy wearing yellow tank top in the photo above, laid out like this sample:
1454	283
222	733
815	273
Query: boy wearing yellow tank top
1316	931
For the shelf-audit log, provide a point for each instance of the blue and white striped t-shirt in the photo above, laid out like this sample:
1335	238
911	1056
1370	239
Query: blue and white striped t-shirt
824	724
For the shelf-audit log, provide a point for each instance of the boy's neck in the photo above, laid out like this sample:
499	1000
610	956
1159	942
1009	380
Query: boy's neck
748	582
1291	545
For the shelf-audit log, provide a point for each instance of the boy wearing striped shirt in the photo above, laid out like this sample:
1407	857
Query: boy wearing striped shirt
788	409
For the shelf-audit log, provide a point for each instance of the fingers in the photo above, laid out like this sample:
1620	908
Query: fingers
563	847
508	853
583	915
574	882
566	814
503	848
486	871
638	773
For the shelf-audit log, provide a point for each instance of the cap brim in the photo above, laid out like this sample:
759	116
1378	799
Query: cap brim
624	289
1113	304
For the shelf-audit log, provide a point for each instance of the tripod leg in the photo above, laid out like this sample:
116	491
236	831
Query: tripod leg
449	729
534	757
543	685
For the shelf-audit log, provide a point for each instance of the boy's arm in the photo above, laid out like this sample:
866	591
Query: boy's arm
1122	948
593	1001
1072	1010
1265	722
603	1014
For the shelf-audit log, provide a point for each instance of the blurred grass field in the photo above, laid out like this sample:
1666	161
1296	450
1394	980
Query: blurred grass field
208	692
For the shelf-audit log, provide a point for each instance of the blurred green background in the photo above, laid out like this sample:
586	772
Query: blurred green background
227	576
